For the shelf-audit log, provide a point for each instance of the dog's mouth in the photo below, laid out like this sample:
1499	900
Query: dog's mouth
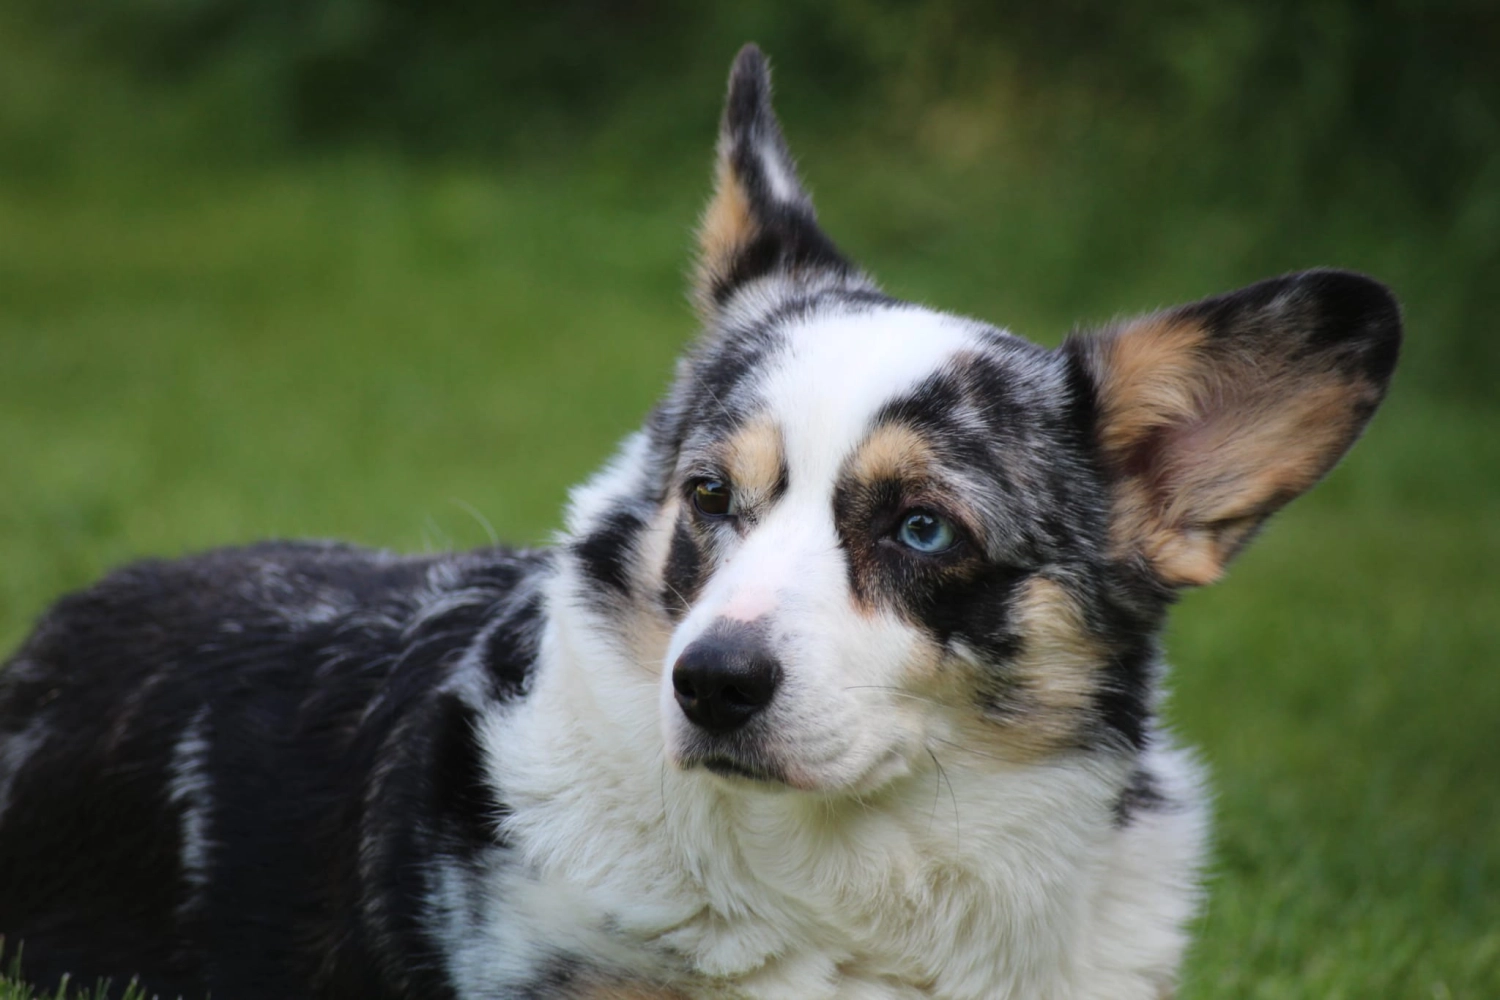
750	766
730	767
737	767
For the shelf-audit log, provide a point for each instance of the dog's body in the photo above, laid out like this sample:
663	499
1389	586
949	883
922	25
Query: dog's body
839	685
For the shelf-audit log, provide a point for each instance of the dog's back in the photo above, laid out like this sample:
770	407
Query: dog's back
289	706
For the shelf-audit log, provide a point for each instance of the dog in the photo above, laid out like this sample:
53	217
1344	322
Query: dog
841	681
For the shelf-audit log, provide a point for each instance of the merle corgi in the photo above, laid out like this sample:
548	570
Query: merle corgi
839	684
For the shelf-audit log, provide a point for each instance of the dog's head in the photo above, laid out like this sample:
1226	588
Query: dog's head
859	530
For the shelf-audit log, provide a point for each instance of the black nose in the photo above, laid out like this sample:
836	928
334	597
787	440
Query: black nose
725	676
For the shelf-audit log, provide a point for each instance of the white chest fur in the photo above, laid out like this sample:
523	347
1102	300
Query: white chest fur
949	884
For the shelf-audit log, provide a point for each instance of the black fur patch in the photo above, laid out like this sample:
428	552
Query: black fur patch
1140	795
684	571
788	239
336	766
604	553
1346	318
462	798
1124	700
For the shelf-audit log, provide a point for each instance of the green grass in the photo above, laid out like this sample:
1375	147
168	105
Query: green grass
13	988
409	357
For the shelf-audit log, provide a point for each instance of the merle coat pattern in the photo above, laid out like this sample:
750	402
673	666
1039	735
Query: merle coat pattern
839	684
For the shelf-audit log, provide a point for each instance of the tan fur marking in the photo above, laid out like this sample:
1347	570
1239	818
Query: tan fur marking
893	451
727	227
1235	437
1185	558
1058	666
1055	679
1151	377
1243	463
752	456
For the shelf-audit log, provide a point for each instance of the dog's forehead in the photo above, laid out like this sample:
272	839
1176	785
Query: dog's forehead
826	379
835	374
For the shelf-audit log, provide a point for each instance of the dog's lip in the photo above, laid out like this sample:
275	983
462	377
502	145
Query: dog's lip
751	766
730	767
736	769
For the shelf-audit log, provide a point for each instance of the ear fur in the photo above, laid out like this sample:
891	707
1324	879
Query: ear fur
760	220
1212	416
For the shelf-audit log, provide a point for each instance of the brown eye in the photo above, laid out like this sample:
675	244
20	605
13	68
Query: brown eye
713	498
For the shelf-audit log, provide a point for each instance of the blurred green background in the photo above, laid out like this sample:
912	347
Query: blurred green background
401	273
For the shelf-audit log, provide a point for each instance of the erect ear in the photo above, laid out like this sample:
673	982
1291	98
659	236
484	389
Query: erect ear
760	220
1213	415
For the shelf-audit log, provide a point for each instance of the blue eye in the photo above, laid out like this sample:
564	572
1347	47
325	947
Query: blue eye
926	532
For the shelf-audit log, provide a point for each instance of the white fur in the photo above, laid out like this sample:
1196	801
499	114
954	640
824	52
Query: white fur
911	866
779	175
190	789
16	750
1148	883
590	501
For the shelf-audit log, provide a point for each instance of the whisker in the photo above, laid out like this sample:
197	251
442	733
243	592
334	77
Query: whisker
937	787
952	797
965	748
713	395
477	515
961	747
894	690
677	594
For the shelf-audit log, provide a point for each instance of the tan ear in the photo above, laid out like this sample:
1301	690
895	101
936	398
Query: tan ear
1212	416
760	221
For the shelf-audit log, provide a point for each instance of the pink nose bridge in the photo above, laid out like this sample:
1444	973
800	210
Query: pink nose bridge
779	557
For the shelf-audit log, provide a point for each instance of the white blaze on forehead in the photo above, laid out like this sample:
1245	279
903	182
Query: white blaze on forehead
823	389
837	373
